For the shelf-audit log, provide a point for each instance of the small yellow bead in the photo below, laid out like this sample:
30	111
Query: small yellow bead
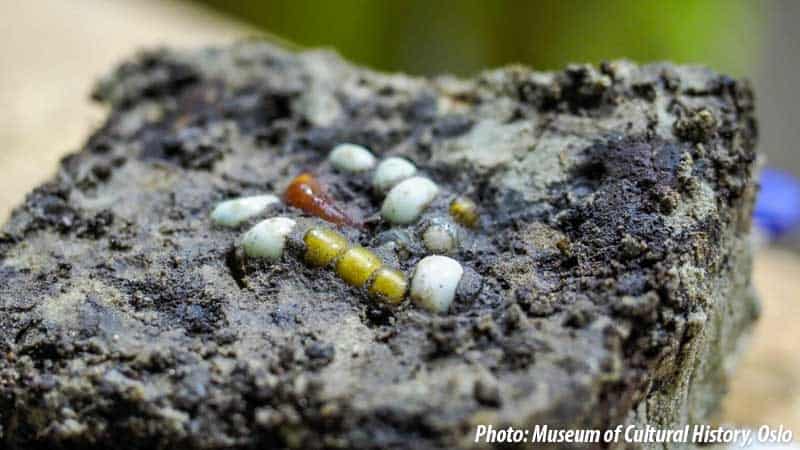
323	246
356	266
464	211
389	286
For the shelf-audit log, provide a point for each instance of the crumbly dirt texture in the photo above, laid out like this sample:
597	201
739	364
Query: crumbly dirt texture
610	276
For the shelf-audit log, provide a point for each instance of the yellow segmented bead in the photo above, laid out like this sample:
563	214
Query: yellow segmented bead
464	211
356	265
389	285
323	246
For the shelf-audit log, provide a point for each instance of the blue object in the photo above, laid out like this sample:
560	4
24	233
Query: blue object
778	205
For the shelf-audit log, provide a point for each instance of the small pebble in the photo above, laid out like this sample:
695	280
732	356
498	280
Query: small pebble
390	172
267	239
440	237
406	201
487	391
434	283
357	265
470	285
231	213
351	158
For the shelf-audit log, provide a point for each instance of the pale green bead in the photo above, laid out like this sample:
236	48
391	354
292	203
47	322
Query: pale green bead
267	239
390	172
351	158
406	201
231	213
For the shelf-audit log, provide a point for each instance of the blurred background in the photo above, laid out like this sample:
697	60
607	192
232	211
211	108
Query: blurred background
52	51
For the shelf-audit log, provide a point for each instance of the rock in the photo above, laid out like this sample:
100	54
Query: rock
606	280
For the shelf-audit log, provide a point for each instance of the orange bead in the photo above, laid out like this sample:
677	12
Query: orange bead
306	194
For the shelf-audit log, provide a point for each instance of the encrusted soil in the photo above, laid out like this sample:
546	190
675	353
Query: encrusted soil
611	268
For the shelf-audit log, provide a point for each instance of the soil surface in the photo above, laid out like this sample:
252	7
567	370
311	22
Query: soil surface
610	271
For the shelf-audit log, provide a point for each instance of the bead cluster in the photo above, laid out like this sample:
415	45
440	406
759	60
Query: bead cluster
407	195
357	266
435	279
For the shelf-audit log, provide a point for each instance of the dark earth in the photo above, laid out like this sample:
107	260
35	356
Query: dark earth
610	273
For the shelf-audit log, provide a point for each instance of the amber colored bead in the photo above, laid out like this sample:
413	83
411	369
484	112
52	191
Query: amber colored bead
323	246
356	265
305	193
389	285
465	212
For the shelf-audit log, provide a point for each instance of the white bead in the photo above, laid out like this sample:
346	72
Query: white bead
434	284
351	158
439	238
390	172
406	201
231	213
268	238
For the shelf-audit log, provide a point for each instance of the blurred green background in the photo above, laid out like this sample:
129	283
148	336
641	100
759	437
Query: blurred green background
53	50
428	36
753	39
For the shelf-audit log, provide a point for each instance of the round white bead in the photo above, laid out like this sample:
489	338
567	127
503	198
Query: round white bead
268	238
406	201
231	213
439	238
390	172
434	283
351	158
